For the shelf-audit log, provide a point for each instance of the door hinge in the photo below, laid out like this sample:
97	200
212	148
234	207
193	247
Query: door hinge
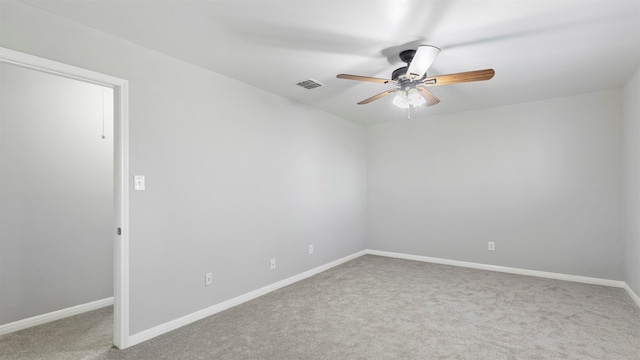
119	231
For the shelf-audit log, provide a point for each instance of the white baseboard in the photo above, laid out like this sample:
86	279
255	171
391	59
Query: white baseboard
510	270
633	295
54	315
214	309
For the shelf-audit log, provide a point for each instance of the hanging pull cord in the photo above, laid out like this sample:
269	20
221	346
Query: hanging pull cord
103	137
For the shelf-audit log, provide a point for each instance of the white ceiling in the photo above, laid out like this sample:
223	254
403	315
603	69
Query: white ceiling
539	49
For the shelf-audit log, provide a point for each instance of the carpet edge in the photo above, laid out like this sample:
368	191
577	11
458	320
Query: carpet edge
216	308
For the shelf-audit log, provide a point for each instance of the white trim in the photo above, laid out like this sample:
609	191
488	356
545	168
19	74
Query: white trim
54	67
510	270
121	173
121	207
633	295
54	315
214	309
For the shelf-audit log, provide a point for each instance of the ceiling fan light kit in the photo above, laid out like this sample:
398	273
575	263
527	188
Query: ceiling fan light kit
412	79
401	100
405	98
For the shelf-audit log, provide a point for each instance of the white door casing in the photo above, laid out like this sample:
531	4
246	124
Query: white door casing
121	174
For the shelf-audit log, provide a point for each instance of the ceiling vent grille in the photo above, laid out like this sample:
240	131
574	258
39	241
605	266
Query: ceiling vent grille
309	84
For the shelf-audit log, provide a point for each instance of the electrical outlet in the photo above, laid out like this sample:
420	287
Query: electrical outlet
492	246
208	279
310	249
273	264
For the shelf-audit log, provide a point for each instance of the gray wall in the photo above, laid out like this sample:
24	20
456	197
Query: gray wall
232	181
542	180
56	193
631	111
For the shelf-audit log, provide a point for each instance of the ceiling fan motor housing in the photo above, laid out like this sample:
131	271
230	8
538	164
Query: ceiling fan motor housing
397	73
406	56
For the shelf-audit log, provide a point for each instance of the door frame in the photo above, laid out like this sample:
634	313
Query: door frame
121	174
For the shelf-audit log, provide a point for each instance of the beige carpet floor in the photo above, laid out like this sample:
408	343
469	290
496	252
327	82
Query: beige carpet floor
377	308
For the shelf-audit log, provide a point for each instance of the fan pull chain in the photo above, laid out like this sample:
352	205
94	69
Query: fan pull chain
103	137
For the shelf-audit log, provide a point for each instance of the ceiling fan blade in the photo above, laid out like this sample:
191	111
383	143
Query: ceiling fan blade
428	96
376	97
365	78
422	60
478	75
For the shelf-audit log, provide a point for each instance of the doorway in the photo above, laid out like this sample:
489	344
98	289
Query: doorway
46	168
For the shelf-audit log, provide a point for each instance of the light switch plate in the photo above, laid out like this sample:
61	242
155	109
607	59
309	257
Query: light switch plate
138	183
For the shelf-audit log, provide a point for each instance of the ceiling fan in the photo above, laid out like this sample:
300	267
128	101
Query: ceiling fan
412	80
